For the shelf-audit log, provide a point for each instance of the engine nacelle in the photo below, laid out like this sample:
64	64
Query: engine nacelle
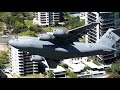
45	37
58	33
37	58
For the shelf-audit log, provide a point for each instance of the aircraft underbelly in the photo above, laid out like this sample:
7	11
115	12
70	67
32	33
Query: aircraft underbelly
57	52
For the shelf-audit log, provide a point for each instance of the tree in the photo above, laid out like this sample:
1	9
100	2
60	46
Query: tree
108	69
114	75
35	28
71	74
116	66
74	22
114	70
19	24
27	33
3	58
50	74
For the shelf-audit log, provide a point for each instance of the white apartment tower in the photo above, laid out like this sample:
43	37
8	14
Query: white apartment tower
46	18
20	62
107	20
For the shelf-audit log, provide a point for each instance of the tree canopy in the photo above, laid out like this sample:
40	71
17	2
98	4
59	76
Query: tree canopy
27	33
15	20
3	58
74	22
36	28
114	70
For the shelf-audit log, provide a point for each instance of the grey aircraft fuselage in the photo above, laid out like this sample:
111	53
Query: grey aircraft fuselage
59	51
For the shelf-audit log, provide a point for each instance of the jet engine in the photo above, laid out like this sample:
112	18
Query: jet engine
45	37
37	58
59	33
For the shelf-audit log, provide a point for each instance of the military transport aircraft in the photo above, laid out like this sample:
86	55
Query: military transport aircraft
64	44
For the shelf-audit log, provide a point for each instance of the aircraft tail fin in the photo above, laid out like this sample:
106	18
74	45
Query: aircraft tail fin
110	37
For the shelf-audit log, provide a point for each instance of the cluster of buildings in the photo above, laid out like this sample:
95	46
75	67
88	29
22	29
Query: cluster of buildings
21	63
106	20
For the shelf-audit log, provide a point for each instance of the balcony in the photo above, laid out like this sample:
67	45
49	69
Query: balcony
35	62
93	29
21	73
27	66
28	69
92	32
21	63
91	40
92	35
107	27
107	19
20	52
106	23
21	60
92	14
107	56
35	68
91	20
21	70
21	67
35	71
27	63
91	17
28	72
35	65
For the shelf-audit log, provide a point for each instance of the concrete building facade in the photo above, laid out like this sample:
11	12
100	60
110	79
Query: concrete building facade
46	18
21	63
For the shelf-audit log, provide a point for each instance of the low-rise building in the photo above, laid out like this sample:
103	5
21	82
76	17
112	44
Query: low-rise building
75	65
59	72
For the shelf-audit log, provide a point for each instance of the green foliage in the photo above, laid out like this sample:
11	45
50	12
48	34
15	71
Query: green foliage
36	28
28	23
1	26
116	66
64	65
71	74
82	40
50	74
16	30
88	60
15	20
96	62
4	16
114	70
87	68
114	75
19	24
108	69
27	33
74	22
3	58
33	76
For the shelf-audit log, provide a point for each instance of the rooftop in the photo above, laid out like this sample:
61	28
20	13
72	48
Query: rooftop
58	69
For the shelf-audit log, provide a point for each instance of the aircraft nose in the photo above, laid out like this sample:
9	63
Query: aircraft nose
11	42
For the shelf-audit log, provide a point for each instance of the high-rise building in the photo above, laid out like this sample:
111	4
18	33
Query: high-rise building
107	20
21	63
46	18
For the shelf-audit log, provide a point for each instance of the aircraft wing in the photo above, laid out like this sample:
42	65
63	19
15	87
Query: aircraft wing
82	29
76	33
68	35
